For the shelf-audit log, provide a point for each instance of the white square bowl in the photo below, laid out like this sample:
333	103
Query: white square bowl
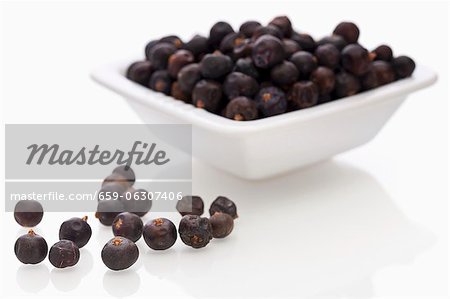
271	146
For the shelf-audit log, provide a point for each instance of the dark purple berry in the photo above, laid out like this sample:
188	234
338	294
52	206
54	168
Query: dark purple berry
137	201
172	39
190	205
305	41
64	254
76	230
348	30
188	76
161	81
246	66
140	72
118	179
28	213
327	55
242	48
128	225
267	52
403	66
369	80
207	95
249	27
305	63
126	172
218	32
159	55
119	253
336	40
290	47
239	84
230	41
177	93
241	109
198	45
384	72
284	74
346	85
195	231
355	59
160	234
222	224
224	205
303	94
284	24
31	248
107	210
383	52
324	78
267	30
177	60
149	47
271	101
215	66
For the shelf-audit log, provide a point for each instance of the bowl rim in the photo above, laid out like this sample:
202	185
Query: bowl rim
113	77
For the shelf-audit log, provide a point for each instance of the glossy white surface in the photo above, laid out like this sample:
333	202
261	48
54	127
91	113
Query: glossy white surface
371	224
272	146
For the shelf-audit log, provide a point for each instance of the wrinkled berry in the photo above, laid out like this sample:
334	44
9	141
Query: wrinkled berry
246	66
267	30
284	74
346	85
249	27
161	81
267	52
188	76
290	47
384	72
355	59
271	101
195	231
304	94
348	30
198	45
305	41
159	55
327	55
222	224
30	248
305	63
241	108
218	32
383	52
284	24
336	40
207	95
190	205
64	254
239	84
177	60
28	213
137	201
76	230
140	72
128	225
215	66
177	93
107	210
119	253
160	234
324	78
172	39
403	66
224	205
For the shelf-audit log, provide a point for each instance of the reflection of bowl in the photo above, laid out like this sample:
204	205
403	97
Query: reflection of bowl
270	146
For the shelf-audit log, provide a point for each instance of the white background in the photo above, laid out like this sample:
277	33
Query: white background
372	222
